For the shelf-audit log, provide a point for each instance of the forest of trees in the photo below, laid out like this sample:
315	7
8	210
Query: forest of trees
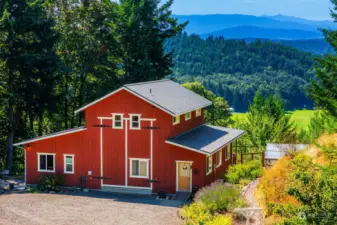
58	55
235	69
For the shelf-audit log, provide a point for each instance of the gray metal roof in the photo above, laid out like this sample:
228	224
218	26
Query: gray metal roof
206	139
277	151
60	133
168	95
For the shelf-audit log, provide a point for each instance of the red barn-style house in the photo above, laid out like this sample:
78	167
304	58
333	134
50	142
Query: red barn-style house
146	137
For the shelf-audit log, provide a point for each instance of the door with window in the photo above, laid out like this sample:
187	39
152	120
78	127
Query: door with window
184	176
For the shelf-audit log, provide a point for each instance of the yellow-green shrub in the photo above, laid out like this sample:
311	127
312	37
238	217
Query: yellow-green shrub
250	171
220	220
195	214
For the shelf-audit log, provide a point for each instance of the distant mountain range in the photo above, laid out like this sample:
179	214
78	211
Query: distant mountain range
242	32
300	33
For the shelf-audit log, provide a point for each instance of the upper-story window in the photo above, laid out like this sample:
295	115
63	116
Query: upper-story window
176	120
188	116
198	112
134	122
117	121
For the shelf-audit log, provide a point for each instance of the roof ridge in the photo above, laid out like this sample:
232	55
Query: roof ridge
146	82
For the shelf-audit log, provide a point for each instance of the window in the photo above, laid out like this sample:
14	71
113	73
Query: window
139	168
117	121
176	120
198	112
209	166
68	163
228	152
218	158
46	162
188	116
134	122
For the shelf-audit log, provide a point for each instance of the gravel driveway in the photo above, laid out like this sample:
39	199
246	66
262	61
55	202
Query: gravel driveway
71	209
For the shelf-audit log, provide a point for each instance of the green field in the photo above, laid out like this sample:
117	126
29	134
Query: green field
301	118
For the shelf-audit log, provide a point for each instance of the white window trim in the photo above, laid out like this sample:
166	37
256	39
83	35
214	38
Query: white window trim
220	162
113	120
139	119
228	151
198	114
188	113
65	163
147	168
209	158
38	162
178	121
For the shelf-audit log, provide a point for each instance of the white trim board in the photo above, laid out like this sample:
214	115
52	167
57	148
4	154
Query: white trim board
50	136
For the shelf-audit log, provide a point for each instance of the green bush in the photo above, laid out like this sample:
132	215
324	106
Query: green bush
250	170
220	220
51	182
196	214
217	197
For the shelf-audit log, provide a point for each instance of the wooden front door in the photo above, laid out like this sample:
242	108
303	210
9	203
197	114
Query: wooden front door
184	176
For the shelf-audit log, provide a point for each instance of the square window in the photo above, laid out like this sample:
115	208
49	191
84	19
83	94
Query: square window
139	168
46	162
198	112
117	121
176	120
188	116
69	164
135	122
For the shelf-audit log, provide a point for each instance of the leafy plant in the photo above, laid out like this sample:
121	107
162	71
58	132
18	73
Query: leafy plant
220	220
250	170
51	182
218	197
196	214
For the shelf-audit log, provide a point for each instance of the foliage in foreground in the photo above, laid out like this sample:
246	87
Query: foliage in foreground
51	182
247	171
211	200
312	183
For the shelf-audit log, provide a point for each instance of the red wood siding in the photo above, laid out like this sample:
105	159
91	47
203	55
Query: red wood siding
86	147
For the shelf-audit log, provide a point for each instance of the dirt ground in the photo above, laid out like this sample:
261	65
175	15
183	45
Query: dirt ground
58	209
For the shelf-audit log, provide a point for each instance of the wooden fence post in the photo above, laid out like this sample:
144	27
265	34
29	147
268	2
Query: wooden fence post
241	158
252	156
263	159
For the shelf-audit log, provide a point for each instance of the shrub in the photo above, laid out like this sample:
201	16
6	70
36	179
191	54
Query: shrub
250	170
217	197
195	214
220	220
274	183
51	182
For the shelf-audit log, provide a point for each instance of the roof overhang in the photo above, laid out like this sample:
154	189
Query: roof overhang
206	139
70	131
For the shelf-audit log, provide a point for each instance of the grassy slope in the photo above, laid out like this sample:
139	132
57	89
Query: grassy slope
301	118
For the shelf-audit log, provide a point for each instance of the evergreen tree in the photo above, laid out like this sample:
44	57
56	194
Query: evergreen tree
324	91
144	28
27	63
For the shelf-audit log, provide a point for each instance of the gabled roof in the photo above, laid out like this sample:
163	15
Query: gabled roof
206	139
167	95
69	131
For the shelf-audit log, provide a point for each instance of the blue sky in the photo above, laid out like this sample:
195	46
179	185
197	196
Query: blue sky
309	9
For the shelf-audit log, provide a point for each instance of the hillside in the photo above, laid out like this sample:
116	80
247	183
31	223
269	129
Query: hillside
243	32
202	24
235	69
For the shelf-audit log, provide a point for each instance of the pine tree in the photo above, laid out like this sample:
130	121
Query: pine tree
27	63
144	29
324	91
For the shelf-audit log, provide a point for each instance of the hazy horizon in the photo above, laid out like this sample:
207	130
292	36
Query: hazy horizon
306	9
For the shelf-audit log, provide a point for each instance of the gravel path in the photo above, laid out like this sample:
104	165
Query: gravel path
58	209
248	194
